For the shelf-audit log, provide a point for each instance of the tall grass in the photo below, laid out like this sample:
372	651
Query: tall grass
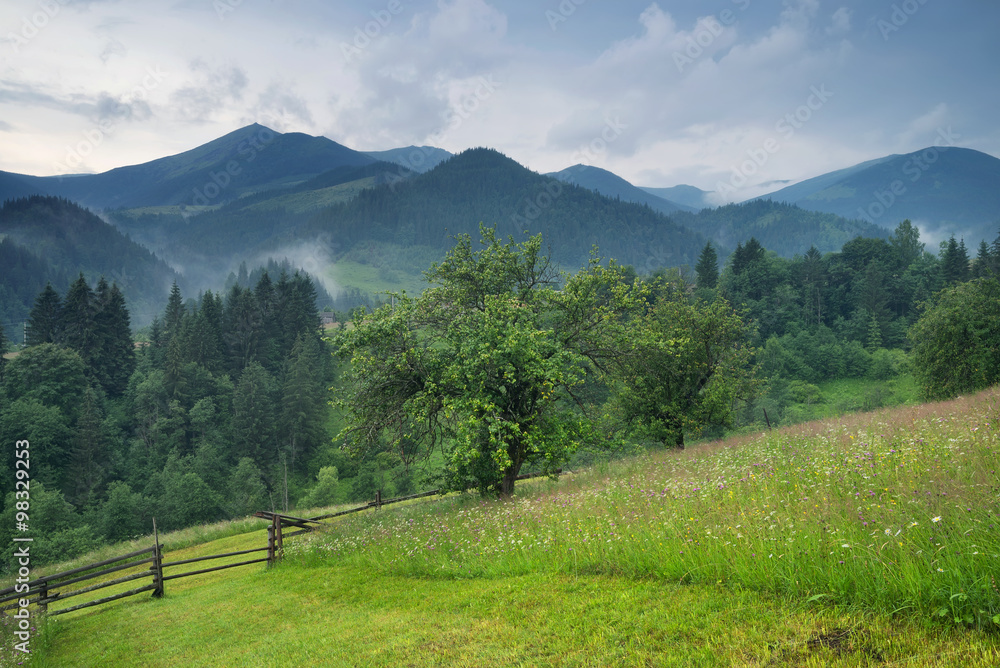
891	511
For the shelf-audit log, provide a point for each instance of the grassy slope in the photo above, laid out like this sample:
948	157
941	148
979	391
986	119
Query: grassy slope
765	550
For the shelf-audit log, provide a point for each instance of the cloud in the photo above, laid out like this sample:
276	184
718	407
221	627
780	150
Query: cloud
113	48
923	130
281	109
840	22
212	90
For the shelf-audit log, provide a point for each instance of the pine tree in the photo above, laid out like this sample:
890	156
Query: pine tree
3	351
79	327
954	262
253	416
174	314
241	328
874	341
983	267
303	401
708	267
89	450
117	360
44	320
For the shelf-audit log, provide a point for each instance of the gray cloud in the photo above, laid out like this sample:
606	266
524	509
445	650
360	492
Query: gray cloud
212	89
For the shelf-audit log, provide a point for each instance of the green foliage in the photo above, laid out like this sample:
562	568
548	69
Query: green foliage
708	267
246	491
485	363
956	343
324	492
687	366
125	514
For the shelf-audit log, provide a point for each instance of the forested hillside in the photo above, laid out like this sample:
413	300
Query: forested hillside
224	409
51	240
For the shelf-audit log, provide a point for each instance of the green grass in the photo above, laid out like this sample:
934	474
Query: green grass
865	540
380	267
851	395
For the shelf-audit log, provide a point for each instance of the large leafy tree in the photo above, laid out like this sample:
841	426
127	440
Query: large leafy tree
956	344
688	365
487	363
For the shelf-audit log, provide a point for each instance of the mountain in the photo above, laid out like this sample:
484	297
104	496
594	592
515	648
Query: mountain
696	198
248	160
55	240
13	186
780	227
419	159
611	185
944	190
427	210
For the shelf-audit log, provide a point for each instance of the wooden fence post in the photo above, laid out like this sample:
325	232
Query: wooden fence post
378	500
270	543
157	566
279	547
42	595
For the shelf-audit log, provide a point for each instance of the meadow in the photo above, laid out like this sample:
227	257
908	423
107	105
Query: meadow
891	512
864	540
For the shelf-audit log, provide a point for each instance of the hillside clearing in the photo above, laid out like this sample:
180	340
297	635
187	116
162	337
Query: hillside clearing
866	540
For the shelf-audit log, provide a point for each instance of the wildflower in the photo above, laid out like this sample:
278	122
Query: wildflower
936	519
846	545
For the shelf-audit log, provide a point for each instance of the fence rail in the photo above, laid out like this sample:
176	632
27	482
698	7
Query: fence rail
52	588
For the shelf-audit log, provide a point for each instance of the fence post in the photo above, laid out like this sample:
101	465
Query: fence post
279	546
378	500
42	595
157	567
270	543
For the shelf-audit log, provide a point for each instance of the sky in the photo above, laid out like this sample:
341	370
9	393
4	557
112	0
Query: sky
737	96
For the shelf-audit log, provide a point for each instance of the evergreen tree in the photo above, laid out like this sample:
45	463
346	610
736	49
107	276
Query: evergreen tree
253	416
983	267
874	341
116	362
174	313
79	330
44	321
303	402
242	328
3	351
89	450
954	262
708	267
905	242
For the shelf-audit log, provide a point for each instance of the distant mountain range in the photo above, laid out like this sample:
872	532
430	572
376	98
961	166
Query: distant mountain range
696	198
943	190
256	193
611	185
249	160
417	159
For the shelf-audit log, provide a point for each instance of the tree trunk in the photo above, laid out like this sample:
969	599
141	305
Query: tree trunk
507	483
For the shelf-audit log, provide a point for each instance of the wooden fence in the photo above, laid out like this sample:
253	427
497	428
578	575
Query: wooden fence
52	588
